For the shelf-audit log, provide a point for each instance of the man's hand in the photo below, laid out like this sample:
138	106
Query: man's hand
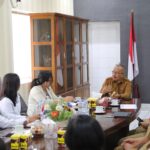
103	100
145	123
134	142
115	95
128	146
107	89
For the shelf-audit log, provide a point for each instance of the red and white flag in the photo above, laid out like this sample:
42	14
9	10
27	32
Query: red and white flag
133	68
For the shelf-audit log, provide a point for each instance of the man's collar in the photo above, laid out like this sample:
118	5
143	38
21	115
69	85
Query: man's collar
119	81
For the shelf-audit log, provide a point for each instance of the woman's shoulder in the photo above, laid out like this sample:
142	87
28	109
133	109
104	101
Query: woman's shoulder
35	89
5	100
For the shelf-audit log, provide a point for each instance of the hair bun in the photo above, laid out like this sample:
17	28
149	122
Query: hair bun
37	81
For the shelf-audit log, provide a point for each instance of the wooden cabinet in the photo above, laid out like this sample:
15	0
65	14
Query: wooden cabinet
60	45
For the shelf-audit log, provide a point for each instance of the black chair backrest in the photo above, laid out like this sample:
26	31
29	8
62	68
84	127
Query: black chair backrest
23	106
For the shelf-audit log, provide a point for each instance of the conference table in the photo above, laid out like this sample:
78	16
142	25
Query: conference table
114	129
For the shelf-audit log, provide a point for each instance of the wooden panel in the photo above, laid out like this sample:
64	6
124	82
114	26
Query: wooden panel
83	91
69	93
79	92
86	91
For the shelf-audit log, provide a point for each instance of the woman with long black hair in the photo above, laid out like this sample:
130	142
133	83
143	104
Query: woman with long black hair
10	105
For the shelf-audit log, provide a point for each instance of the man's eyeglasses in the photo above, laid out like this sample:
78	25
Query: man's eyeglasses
114	72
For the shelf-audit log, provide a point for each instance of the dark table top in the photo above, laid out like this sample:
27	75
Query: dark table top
109	124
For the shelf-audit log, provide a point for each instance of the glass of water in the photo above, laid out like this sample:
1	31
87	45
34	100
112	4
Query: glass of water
83	107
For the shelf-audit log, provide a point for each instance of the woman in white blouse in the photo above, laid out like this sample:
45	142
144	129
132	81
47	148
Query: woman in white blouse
41	90
10	105
8	123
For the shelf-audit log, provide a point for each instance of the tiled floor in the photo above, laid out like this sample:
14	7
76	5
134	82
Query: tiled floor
143	114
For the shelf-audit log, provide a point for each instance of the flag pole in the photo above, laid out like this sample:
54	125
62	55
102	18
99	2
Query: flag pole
133	69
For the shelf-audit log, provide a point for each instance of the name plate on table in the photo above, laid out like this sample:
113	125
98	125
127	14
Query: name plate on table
122	114
128	106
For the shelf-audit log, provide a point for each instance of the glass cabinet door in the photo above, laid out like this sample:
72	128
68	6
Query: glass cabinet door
42	56
76	31
84	53
69	59
68	30
85	63
69	54
85	73
59	55
60	78
69	66
78	75
59	52
41	30
77	53
70	78
84	32
59	64
59	30
36	72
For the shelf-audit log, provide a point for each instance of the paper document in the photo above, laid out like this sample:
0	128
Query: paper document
128	106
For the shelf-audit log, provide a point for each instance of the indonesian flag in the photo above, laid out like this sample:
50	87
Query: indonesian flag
133	69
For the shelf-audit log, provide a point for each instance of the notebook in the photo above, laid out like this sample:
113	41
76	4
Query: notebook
122	114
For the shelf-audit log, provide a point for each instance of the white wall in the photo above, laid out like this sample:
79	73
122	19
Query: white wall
59	6
6	62
22	46
104	51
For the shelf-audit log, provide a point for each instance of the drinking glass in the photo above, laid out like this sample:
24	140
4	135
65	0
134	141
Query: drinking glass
83	107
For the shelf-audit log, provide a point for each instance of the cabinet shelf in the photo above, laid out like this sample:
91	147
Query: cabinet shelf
60	45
